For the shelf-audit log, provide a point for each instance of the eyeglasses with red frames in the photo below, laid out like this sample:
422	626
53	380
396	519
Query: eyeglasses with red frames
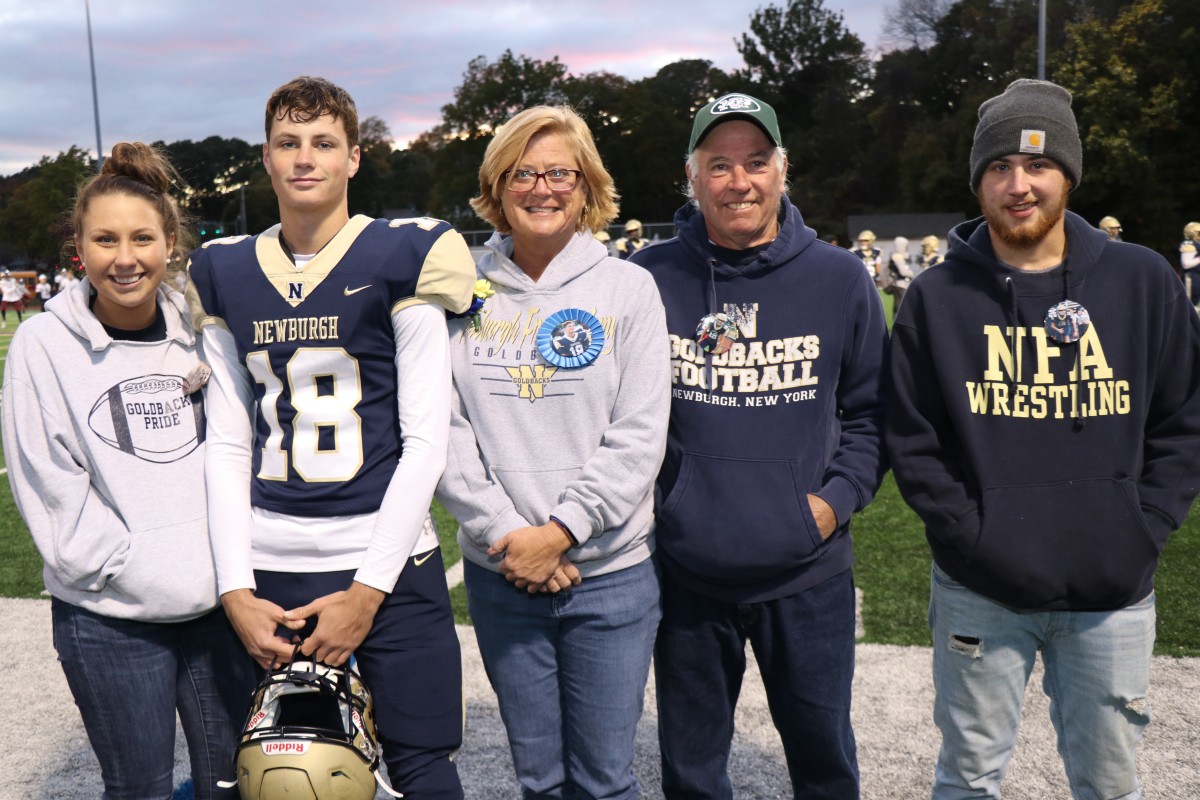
557	179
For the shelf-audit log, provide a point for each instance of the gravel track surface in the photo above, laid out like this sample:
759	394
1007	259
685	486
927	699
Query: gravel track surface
46	753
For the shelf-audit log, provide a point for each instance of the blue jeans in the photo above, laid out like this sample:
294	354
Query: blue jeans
129	678
804	644
569	671
1097	675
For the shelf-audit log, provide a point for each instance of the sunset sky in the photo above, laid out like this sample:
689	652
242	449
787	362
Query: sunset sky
170	70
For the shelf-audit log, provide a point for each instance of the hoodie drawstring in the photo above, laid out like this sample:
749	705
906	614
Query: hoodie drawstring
1079	421
1011	287
712	309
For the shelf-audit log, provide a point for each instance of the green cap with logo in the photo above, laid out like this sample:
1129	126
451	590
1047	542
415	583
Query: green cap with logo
731	107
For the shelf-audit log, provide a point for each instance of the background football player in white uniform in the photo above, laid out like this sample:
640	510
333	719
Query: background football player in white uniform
327	432
43	289
12	295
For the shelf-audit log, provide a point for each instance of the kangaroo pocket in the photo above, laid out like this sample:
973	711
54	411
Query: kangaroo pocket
169	571
1084	544
535	492
735	521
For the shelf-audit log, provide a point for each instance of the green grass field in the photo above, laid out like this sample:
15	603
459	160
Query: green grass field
892	568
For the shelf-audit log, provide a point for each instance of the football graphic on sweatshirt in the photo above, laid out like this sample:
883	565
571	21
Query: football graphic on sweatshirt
149	417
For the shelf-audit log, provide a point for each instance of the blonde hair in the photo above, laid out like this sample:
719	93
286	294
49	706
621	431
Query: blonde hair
511	140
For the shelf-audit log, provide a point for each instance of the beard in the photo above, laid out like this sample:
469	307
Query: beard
1030	232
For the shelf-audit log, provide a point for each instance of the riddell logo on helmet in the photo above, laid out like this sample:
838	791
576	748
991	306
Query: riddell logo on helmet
284	748
736	102
257	718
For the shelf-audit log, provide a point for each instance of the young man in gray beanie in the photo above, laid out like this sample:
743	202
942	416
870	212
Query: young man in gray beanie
1044	423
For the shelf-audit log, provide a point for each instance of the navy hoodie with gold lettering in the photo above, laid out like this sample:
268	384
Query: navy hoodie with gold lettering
795	407
1049	475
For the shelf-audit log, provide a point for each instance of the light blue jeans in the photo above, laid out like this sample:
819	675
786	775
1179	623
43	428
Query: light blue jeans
1097	675
569	671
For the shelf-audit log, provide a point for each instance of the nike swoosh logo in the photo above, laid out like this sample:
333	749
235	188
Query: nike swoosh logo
419	561
348	291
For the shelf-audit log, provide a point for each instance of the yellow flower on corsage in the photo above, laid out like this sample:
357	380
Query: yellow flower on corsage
483	290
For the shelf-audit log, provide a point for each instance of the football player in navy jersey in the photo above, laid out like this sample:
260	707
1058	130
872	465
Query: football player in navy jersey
328	424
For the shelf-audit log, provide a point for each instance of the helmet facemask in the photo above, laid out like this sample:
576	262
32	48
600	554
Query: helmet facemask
310	733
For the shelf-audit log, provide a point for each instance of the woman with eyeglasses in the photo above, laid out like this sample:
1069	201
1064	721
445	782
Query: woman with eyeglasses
561	395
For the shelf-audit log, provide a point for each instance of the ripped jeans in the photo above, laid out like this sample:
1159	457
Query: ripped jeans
1097	675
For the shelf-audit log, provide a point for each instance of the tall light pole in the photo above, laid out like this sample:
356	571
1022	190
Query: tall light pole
95	97
1041	40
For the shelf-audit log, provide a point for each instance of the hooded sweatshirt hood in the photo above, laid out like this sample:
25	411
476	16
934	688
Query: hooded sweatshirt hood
971	243
581	254
73	309
794	237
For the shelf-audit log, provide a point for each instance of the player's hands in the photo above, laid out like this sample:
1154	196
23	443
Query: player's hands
532	554
255	621
823	513
343	620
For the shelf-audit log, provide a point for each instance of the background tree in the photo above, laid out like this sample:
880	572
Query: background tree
802	59
892	135
602	99
214	169
1134	79
913	23
924	98
372	189
33	218
490	93
412	179
647	158
455	176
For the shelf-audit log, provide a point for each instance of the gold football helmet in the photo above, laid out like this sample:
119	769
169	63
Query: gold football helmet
310	735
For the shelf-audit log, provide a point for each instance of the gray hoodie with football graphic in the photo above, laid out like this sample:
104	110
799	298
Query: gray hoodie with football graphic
105	455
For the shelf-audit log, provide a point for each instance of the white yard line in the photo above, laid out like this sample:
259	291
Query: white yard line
454	575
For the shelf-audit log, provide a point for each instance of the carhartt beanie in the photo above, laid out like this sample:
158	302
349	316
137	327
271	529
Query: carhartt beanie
1031	117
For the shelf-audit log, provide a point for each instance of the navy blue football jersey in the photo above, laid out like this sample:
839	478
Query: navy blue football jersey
318	344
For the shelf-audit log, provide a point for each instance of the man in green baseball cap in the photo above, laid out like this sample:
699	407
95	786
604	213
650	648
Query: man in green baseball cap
777	344
730	107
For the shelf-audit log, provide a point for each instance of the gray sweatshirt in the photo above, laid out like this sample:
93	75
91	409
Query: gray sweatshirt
529	439
105	457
